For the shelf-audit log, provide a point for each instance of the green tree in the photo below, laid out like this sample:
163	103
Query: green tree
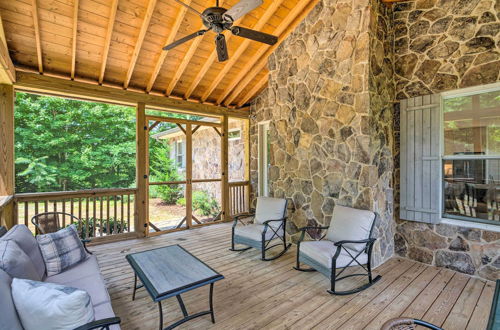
162	169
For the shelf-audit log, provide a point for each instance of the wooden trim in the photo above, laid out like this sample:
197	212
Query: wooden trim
189	175
242	48
142	171
107	43
181	128
225	169
34	13
156	123
6	140
7	69
5	200
140	40
159	183
183	121
259	85
296	15
27	197
208	63
73	41
35	83
170	38
218	132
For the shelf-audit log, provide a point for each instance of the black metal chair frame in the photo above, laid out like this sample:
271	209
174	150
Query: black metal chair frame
332	273
40	230
263	245
103	324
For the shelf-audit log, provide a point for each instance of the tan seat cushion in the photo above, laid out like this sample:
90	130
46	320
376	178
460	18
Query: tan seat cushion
323	251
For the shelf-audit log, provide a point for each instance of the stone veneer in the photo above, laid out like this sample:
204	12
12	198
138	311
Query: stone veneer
445	44
442	45
329	100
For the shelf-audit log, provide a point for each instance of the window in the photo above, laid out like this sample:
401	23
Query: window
264	158
471	155
234	134
179	153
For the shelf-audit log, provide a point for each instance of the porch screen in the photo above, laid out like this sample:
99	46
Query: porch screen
420	159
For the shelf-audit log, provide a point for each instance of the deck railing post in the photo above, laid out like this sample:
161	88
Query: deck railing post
142	171
225	169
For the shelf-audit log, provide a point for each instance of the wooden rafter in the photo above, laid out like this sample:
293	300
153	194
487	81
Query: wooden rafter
208	63
7	70
107	42
139	41
34	13
242	48
75	32
170	38
296	15
259	85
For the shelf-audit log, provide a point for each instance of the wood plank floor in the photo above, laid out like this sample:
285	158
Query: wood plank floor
271	295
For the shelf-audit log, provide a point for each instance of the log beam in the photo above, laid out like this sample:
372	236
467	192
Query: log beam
42	84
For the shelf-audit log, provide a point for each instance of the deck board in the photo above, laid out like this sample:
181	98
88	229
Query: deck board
271	295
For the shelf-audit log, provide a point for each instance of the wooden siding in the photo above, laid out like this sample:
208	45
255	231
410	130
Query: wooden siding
271	295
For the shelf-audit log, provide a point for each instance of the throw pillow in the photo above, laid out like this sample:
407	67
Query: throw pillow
61	250
49	306
15	262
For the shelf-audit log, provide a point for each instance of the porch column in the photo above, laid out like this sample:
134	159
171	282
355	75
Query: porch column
7	152
225	169
142	168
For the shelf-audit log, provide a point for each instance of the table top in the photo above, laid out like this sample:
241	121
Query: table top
171	270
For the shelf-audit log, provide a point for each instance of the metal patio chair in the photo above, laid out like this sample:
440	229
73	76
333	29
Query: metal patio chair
50	222
346	243
404	323
269	223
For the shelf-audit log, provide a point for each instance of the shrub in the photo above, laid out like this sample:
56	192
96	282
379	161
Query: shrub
163	169
82	226
203	203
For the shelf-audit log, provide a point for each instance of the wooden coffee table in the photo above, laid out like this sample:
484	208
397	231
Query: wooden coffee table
169	271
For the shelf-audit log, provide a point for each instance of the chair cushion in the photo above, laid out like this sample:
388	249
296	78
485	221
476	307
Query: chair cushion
9	318
61	250
27	242
15	262
254	232
323	251
84	276
269	208
350	224
49	306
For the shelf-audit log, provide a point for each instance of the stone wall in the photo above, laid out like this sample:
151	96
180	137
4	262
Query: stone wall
445	44
442	45
329	103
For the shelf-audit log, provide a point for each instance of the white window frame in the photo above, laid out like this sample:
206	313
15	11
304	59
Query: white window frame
234	138
179	152
263	170
472	223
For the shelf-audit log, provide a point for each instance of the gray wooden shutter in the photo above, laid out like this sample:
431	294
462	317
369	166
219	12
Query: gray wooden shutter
420	160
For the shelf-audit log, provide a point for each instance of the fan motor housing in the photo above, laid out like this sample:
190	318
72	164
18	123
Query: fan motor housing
212	19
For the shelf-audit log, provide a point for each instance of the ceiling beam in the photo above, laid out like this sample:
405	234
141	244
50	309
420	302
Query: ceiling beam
43	84
242	48
34	13
75	32
170	38
107	42
259	85
140	40
248	72
7	70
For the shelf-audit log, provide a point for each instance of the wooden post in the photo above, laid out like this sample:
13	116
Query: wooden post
142	169
7	150
246	137
225	169
189	176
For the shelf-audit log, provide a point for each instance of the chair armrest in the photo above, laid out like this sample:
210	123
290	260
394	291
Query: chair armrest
100	324
306	228
266	223
238	217
84	242
365	241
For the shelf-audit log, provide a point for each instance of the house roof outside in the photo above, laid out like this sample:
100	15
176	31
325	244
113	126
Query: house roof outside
176	131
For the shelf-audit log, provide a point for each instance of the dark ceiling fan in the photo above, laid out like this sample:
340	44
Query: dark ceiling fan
219	19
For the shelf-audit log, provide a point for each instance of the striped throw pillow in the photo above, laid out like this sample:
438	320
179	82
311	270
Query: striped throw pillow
61	250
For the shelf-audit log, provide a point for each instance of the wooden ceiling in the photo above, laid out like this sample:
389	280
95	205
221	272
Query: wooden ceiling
119	43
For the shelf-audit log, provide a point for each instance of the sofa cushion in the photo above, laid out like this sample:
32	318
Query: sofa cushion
269	208
9	319
350	224
27	242
254	232
15	262
323	251
49	306
61	250
84	276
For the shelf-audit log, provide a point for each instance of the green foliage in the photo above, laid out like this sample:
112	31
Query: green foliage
96	223
162	169
203	203
66	144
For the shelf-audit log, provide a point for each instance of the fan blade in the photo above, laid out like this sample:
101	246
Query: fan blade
189	7
254	35
241	9
183	40
220	45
